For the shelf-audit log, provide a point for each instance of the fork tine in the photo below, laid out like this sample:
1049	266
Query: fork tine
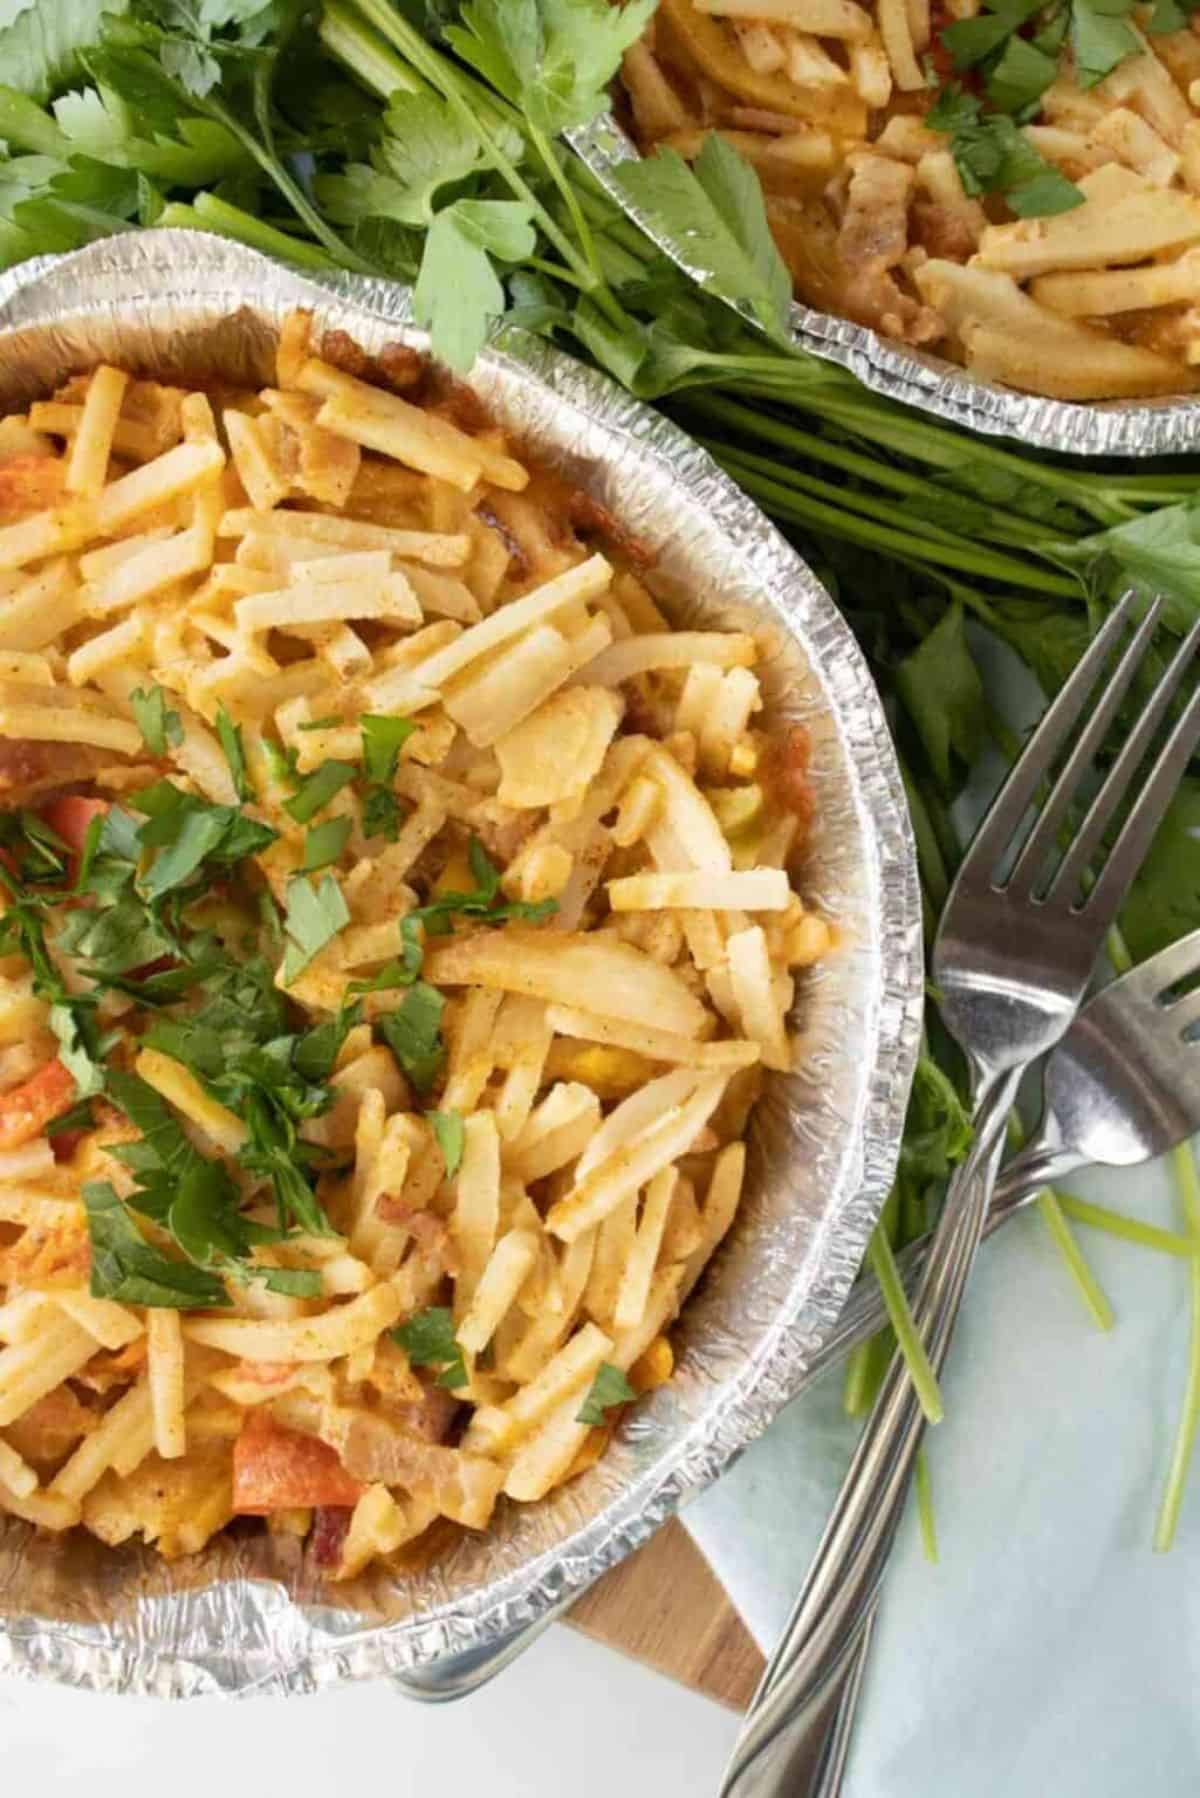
1012	802
1101	905
1090	834
1044	836
1185	1015
1173	964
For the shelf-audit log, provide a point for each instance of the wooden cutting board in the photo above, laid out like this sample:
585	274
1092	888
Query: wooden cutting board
665	1606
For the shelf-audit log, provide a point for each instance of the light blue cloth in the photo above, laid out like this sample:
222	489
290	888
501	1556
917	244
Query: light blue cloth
1050	1653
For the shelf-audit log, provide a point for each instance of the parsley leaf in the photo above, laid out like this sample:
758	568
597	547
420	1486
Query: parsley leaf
318	1049
1168	16
992	156
383	738
940	688
457	285
188	831
382	814
39	50
281	762
79	1117
324	843
1021	76
157	725
552	58
1101	37
313	918
413	1033
125	1266
691	210
76	1053
609	1389
971	41
428	1340
292	1282
423	149
230	736
448	1129
318	788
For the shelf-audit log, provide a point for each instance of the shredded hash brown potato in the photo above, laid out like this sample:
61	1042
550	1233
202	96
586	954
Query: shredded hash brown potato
828	100
398	927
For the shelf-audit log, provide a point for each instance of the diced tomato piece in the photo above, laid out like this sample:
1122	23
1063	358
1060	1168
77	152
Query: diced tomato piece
70	816
281	1470
28	1108
65	1142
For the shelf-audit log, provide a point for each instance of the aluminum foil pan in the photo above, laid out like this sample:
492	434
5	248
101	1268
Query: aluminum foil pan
240	1617
1104	428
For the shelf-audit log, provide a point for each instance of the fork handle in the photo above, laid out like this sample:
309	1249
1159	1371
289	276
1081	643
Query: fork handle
837	1599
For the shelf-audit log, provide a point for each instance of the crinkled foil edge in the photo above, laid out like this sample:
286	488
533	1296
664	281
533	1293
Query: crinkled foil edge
181	1632
1158	427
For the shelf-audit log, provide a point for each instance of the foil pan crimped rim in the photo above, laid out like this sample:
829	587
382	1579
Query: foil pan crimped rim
240	1618
1150	427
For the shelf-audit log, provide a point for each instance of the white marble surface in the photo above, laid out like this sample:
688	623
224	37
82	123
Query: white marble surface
1050	1653
570	1717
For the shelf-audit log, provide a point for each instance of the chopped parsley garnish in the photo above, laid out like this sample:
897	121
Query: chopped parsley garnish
125	1266
383	738
318	788
234	750
609	1389
448	1129
281	762
382	814
992	156
428	1340
313	918
324	843
78	1117
188	831
413	1032
158	726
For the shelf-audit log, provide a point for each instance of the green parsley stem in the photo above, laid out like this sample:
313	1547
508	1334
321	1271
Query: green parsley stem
449	83
864	1371
887	427
762	426
925	1516
556	272
1183	1166
865	503
800	509
1050	1210
570	199
364	54
1128	1229
292	192
908	1339
208	213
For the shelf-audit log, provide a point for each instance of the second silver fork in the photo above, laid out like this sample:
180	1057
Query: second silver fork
1019	938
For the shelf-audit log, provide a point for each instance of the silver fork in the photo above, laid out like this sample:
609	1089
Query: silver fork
1123	1086
1019	937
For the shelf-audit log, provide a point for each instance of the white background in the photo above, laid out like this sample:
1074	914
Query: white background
569	1720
